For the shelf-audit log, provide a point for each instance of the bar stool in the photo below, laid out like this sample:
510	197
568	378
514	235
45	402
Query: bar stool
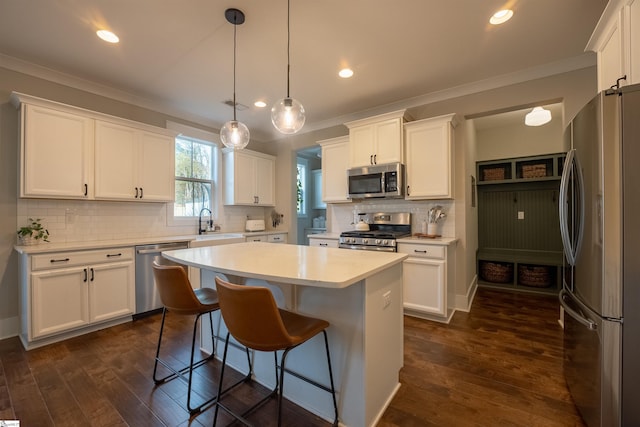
253	319
179	297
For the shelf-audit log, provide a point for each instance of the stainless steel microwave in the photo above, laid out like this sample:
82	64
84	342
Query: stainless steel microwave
376	181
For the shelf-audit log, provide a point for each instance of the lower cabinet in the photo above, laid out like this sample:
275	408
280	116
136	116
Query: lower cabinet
270	238
68	291
427	271
323	242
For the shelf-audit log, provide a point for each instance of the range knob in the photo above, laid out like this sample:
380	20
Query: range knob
378	241
365	241
385	242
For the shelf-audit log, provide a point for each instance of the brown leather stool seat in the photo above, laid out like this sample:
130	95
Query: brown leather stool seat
254	320
179	297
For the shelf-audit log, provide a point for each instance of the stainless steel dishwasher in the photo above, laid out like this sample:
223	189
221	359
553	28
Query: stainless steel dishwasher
147	297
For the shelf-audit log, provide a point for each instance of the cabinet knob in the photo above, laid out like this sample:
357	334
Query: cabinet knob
141	192
86	190
375	159
136	196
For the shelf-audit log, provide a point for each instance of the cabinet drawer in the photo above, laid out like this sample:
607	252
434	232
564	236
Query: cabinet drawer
423	251
323	243
277	238
261	238
76	258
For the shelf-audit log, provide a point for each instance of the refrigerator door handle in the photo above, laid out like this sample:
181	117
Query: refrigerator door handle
590	324
563	207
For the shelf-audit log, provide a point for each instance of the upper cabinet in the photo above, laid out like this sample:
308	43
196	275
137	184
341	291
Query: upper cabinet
616	41
249	178
132	164
376	140
56	155
335	162
72	153
429	158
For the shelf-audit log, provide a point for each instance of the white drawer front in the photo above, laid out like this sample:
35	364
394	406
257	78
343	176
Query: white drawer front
423	251
76	258
277	238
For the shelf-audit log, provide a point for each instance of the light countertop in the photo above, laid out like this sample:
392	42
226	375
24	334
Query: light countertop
54	246
293	264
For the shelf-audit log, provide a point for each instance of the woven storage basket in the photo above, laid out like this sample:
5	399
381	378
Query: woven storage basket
493	174
537	276
534	171
496	272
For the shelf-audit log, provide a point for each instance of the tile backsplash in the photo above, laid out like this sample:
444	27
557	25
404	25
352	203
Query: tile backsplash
84	220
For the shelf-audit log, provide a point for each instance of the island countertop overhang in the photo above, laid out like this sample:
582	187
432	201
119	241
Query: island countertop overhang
292	264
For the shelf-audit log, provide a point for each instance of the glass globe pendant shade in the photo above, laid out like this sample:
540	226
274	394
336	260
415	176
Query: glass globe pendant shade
287	115
234	134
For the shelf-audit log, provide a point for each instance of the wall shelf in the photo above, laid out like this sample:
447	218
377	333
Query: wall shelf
521	169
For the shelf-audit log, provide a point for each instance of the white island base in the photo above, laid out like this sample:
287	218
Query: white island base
365	336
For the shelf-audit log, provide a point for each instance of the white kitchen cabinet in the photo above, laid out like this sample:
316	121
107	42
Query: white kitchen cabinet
316	178
277	238
249	178
426	273
56	155
376	140
65	293
335	162
323	242
133	164
267	237
430	158
616	41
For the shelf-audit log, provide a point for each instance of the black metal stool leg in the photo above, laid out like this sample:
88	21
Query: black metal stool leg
155	365
333	389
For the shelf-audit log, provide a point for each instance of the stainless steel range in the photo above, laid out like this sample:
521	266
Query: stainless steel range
383	230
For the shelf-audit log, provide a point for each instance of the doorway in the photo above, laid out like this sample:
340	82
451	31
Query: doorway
311	211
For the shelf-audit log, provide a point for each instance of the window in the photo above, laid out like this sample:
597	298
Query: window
194	177
301	185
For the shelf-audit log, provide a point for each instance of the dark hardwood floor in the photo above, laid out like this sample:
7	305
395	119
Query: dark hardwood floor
499	365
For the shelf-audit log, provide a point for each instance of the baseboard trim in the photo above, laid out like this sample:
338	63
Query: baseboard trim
464	302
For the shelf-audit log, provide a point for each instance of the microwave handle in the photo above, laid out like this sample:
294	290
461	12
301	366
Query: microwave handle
383	185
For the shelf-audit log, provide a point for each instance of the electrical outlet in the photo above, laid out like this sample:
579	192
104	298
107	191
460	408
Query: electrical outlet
386	299
520	214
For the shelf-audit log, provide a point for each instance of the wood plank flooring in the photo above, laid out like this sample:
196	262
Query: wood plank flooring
499	365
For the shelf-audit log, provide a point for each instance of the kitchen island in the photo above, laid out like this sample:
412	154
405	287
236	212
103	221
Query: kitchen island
358	292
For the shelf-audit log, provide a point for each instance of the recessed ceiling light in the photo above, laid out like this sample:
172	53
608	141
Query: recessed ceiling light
107	36
501	16
345	73
260	104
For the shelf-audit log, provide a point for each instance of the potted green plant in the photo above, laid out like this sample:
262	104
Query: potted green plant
33	233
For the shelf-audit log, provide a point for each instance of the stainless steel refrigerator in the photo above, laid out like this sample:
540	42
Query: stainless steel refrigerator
600	227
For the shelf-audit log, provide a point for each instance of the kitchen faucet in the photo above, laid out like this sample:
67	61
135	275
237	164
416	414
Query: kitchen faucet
209	223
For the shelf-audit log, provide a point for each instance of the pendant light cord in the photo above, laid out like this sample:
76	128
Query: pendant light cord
235	27
288	44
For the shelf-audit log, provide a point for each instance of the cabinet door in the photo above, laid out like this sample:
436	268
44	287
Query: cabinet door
335	162
156	167
424	286
388	142
58	300
56	155
610	58
111	291
361	146
244	172
429	161
115	161
265	177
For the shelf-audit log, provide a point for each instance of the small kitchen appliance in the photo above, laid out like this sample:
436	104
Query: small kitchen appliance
382	181
379	232
254	225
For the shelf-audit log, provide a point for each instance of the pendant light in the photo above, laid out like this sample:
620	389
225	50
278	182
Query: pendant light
537	117
234	134
287	115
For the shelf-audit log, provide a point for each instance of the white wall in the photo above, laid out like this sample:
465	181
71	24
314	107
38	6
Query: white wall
520	141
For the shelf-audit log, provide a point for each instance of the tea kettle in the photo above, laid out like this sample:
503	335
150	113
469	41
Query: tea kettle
362	226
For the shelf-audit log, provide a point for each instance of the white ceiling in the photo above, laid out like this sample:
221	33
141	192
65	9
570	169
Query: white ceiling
176	55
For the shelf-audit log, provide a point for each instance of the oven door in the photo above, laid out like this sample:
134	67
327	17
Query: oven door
367	247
